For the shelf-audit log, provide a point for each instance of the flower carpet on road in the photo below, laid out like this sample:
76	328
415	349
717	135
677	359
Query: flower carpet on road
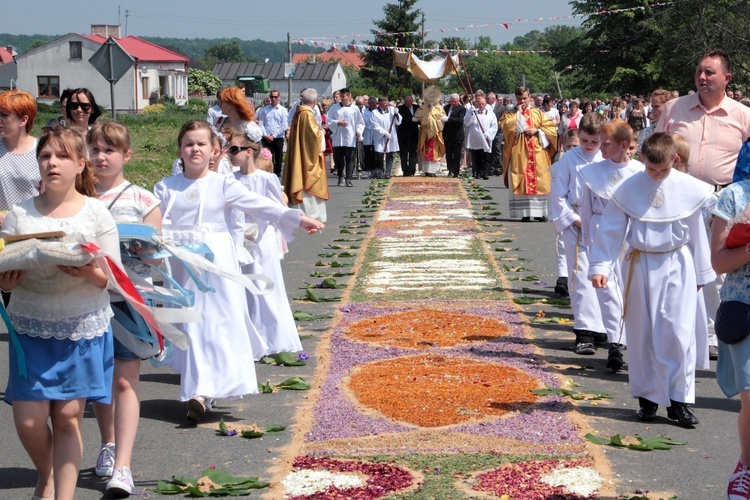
424	389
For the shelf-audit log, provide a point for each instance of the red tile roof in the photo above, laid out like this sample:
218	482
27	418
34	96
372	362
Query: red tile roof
347	58
5	56
142	50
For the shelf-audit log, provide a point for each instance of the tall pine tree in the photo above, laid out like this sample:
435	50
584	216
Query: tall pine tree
399	18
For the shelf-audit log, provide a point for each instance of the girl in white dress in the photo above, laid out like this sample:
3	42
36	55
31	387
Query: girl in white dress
197	205
270	314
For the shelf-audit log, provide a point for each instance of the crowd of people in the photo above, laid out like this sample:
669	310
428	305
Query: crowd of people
76	334
644	201
643	192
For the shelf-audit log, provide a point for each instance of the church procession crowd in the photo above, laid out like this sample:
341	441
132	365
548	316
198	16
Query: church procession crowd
649	197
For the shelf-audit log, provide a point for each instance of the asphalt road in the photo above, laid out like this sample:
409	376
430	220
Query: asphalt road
167	446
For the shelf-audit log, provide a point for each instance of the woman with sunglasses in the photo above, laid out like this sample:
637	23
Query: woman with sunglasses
82	109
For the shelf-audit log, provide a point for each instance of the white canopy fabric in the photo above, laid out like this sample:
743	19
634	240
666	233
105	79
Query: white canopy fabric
425	71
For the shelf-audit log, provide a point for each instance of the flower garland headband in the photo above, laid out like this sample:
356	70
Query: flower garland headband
253	131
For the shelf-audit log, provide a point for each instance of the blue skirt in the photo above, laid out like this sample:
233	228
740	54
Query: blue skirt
62	370
733	367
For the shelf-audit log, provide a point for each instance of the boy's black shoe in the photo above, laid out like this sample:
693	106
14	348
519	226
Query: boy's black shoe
682	413
615	360
585	348
647	411
584	342
600	338
561	287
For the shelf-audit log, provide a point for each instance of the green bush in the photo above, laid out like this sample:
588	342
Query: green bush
196	105
43	107
153	109
204	82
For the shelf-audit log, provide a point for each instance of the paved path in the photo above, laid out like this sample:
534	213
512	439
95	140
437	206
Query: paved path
166	446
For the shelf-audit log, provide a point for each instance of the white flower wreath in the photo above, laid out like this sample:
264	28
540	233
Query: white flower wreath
253	131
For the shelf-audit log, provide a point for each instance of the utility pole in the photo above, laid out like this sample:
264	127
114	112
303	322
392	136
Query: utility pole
127	13
423	55
289	51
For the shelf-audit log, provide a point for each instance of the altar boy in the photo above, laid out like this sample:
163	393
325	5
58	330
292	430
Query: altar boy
657	212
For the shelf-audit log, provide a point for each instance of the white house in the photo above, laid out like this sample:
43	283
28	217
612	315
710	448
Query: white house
64	63
323	77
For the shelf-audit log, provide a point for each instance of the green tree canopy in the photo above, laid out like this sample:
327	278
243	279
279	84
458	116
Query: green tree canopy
230	51
639	50
399	18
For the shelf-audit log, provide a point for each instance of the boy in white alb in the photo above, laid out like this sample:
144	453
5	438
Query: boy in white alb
347	125
599	182
569	142
565	202
657	212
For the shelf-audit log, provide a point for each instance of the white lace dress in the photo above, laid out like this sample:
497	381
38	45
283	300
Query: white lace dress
62	322
271	314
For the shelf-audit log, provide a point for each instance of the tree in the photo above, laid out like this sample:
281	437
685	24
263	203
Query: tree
503	73
37	43
530	41
484	43
357	84
230	51
636	51
203	82
399	18
454	43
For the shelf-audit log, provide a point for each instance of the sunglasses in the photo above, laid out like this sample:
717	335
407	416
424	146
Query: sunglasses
233	150
85	106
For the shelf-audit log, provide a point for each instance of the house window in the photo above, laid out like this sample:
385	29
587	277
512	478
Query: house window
48	86
145	87
76	51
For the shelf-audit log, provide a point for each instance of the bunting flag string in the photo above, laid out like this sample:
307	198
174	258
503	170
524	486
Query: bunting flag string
506	25
364	48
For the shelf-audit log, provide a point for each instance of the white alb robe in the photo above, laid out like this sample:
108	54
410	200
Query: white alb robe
565	202
668	258
384	125
599	183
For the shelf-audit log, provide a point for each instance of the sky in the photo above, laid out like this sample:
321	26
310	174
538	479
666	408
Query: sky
271	21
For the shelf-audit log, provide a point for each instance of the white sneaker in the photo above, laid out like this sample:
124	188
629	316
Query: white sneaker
121	482
196	408
105	463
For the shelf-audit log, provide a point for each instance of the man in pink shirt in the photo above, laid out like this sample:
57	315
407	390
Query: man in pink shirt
714	125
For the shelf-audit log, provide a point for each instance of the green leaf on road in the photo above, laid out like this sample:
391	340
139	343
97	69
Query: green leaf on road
282	359
294	384
642	444
305	316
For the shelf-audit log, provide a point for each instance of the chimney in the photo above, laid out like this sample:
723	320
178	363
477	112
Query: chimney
106	30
